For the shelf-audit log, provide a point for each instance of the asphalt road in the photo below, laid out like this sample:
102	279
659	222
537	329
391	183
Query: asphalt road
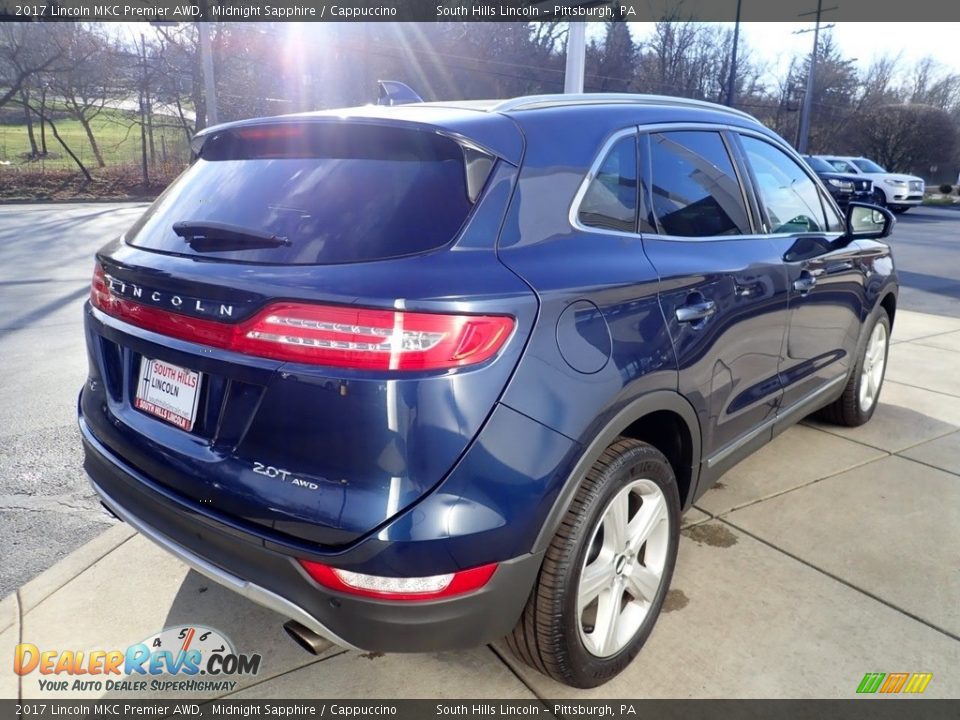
46	508
926	246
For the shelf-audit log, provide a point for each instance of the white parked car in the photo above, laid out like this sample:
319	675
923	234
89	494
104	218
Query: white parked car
898	192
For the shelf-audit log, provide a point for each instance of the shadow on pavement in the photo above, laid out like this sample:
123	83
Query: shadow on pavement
44	310
930	283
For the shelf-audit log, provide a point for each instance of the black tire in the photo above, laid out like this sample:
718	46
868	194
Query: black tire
879	198
547	635
846	410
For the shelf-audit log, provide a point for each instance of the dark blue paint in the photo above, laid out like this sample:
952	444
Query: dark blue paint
425	473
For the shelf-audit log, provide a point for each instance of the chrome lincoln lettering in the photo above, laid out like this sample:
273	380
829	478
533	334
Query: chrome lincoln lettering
196	306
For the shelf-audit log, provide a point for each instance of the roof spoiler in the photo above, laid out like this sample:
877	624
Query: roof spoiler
393	92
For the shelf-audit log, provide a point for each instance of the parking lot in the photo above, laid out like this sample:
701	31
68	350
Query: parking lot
829	554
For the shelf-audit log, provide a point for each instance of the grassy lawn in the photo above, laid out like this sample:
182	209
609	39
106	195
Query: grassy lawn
118	138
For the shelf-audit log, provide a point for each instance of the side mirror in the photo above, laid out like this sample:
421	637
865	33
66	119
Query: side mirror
869	222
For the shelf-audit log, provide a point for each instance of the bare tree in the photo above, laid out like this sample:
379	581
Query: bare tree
930	85
83	88
182	79
906	138
43	115
26	49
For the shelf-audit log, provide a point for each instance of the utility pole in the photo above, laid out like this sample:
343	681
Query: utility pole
147	102
143	110
732	82
576	57
803	132
209	85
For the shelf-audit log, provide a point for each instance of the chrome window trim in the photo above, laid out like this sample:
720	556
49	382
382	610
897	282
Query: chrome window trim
703	127
574	213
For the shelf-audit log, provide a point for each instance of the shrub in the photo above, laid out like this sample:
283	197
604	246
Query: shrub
946	189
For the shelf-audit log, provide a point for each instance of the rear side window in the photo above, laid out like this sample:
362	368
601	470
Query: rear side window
694	188
844	166
325	192
788	195
868	166
611	198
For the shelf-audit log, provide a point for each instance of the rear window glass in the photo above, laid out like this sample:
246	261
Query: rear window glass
611	198
324	193
868	166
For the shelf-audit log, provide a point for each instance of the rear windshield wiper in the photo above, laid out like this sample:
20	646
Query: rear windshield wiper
205	236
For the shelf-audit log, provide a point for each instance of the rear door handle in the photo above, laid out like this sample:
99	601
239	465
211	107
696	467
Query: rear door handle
805	283
692	312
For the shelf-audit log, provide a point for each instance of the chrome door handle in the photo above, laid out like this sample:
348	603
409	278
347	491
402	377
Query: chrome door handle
692	312
840	267
805	283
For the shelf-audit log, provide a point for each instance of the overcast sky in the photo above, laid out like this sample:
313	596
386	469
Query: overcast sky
776	42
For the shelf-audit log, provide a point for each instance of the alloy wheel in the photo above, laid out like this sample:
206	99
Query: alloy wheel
874	363
623	569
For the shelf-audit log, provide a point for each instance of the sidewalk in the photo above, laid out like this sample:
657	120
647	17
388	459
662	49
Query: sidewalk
830	553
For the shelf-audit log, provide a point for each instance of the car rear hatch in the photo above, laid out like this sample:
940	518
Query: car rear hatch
308	328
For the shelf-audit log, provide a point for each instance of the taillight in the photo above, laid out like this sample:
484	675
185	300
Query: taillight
99	291
432	587
337	336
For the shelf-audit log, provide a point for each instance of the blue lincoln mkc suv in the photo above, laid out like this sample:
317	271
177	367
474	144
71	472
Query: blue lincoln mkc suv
427	376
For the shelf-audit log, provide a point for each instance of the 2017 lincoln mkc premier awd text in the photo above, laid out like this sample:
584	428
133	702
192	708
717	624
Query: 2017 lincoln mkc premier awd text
425	376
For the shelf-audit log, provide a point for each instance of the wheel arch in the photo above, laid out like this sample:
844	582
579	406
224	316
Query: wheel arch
889	303
663	419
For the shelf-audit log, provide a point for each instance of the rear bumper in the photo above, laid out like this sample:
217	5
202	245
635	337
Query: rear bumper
242	562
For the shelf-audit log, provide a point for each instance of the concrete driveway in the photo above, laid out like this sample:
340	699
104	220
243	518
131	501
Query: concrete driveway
828	554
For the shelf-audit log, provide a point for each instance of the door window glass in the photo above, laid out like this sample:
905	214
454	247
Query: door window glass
694	189
787	194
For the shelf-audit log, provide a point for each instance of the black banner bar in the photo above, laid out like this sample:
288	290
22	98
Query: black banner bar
471	10
857	709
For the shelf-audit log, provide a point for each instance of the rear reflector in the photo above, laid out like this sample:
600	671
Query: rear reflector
432	587
330	335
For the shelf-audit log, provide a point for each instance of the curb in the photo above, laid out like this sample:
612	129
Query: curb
9	613
49	581
79	201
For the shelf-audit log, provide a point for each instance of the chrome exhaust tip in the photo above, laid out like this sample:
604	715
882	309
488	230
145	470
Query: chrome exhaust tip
305	637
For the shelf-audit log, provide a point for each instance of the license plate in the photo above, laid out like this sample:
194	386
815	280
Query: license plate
168	391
